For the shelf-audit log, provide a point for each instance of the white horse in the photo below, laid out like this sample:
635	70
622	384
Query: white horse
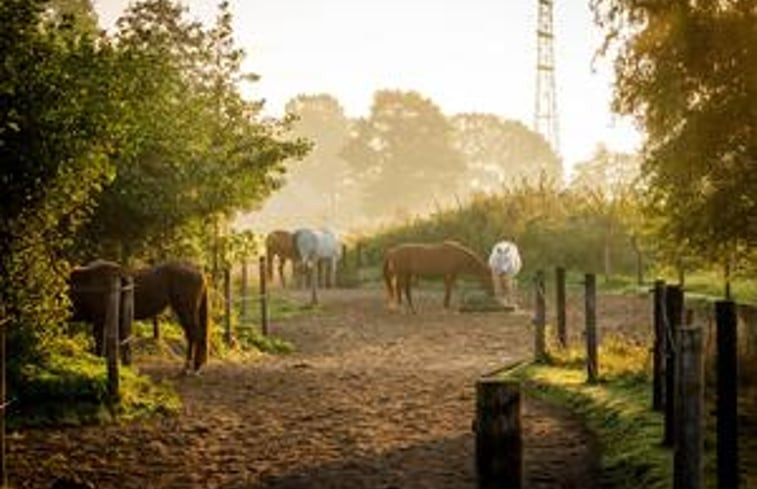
315	246
505	263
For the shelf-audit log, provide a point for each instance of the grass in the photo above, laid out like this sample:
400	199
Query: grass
70	388
617	409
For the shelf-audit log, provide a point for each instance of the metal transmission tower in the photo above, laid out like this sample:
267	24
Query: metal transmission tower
545	113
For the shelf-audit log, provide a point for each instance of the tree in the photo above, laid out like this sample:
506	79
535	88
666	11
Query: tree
319	188
610	189
685	70
80	13
403	152
195	149
58	120
501	152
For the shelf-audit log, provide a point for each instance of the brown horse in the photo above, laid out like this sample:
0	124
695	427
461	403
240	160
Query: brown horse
280	244
183	287
88	291
178	285
449	259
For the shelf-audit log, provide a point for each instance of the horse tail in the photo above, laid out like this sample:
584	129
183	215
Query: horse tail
203	337
388	279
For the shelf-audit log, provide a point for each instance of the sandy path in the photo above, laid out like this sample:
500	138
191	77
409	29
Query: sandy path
372	399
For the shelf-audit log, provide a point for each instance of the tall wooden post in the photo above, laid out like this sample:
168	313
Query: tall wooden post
592	369
727	396
3	405
263	298
358	255
126	318
227	306
673	319
540	318
562	334
658	349
689	442
243	290
499	443
111	334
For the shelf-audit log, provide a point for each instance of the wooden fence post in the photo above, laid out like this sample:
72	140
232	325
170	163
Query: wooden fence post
689	442
672	322
263	298
227	306
126	318
592	369
111	334
658	348
3	405
540	318
562	334
358	255
499	444
243	291
727	396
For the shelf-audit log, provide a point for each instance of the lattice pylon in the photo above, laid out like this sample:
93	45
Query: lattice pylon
545	111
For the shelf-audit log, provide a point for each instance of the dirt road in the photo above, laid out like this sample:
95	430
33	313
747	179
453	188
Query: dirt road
372	399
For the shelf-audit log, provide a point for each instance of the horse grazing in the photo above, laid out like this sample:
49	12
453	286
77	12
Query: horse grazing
505	263
280	244
315	247
178	285
88	292
448	259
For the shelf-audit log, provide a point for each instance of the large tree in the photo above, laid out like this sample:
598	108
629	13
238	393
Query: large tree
500	152
404	154
609	189
59	116
686	70
195	148
319	189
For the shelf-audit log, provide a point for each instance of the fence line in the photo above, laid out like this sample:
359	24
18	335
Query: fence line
679	354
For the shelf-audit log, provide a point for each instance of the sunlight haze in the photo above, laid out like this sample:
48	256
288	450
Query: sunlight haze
467	56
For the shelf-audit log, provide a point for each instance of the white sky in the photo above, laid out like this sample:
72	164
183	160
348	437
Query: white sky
466	55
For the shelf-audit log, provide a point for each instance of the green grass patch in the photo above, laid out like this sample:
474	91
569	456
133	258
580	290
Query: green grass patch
617	409
70	388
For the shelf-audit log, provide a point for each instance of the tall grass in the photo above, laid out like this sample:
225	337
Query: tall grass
550	226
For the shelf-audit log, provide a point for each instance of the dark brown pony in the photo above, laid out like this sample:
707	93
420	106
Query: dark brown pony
88	291
449	259
178	285
183	287
280	244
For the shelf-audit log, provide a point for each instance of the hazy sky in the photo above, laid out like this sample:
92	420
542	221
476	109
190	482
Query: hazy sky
466	55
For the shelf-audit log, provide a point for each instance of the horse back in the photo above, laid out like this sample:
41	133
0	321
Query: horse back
88	288
421	259
176	284
280	243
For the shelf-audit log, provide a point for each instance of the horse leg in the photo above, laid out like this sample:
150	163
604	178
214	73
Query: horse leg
333	272
408	278
186	323
448	281
508	288
281	271
314	283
